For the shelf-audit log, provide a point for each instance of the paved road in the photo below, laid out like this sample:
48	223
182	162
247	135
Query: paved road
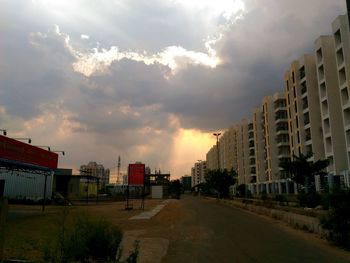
212	232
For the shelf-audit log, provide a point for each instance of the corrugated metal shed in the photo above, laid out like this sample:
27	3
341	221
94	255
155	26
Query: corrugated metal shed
25	185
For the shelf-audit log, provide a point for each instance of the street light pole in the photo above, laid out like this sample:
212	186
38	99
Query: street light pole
23	139
217	147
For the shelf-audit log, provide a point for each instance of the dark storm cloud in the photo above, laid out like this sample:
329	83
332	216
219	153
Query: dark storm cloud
30	76
134	82
131	107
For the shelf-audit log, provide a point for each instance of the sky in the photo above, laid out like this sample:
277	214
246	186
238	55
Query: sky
146	80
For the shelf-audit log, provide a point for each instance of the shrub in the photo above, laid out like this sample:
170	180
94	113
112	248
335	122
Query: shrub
264	196
281	199
338	219
310	200
84	240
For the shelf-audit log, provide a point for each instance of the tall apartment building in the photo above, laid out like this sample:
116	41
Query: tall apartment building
243	164
251	154
281	131
223	149
269	138
198	172
303	104
340	28
259	140
331	110
212	158
228	149
275	143
312	115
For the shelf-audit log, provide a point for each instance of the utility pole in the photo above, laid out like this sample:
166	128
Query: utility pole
217	147
118	169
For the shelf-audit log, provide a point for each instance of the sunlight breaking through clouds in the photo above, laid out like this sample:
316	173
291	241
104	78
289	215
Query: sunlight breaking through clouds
229	9
174	57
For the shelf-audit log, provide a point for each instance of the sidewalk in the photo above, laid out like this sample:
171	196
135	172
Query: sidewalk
152	213
151	249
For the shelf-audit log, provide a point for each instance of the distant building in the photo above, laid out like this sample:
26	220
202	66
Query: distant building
198	172
97	170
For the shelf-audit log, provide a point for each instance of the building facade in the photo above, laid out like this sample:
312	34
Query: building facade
198	173
96	170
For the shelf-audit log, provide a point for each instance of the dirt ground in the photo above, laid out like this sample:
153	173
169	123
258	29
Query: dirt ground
28	229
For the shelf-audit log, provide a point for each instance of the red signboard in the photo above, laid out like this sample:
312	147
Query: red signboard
13	150
136	174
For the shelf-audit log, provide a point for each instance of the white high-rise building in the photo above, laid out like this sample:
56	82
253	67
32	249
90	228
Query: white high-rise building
198	173
340	27
331	110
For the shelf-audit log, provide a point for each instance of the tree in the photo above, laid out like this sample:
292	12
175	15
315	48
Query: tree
175	189
220	181
303	170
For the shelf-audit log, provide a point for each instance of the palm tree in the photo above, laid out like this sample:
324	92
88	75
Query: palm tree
303	170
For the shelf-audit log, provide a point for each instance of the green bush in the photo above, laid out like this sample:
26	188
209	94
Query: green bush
310	200
281	199
83	240
338	219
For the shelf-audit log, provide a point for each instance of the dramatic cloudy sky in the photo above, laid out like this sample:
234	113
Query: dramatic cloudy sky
148	80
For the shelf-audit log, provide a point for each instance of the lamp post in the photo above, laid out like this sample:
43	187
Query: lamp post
4	132
23	139
63	153
217	134
43	146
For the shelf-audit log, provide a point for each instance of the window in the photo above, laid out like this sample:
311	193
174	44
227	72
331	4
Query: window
323	90
337	38
324	107
307	134
342	76
309	149
303	87
294	92
319	55
320	72
298	137
340	57
302	72
305	103
344	95
347	116
327	126
306	118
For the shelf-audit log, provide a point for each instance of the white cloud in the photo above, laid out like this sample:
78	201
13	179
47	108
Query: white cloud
174	57
83	36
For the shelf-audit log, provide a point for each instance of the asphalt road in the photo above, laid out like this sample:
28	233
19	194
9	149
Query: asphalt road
212	232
